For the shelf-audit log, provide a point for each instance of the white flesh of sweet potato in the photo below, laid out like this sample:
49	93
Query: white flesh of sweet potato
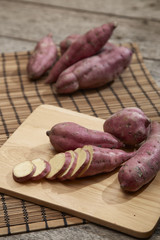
42	169
59	164
82	161
66	174
23	171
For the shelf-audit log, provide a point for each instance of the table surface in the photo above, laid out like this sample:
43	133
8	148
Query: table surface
24	22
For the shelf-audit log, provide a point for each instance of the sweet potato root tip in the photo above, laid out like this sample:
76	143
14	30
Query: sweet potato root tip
48	133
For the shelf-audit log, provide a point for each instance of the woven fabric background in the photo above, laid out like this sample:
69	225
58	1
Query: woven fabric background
19	97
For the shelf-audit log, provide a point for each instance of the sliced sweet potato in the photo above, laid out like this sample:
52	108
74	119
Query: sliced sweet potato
23	171
66	174
82	160
104	160
59	163
42	169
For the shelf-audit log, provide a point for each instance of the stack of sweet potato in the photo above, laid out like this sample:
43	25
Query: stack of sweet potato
86	61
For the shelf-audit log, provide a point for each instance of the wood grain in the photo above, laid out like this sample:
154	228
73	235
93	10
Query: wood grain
135	214
38	17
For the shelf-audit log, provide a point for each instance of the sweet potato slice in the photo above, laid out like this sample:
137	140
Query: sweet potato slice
42	169
66	174
59	163
82	160
23	171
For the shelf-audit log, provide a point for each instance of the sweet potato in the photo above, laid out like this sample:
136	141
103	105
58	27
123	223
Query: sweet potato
85	46
42	58
104	160
130	125
69	136
82	161
66	43
143	167
59	163
66	174
23	171
42	169
95	71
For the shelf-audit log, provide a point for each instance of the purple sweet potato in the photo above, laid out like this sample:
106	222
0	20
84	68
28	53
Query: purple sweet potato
104	160
85	46
69	136
42	58
130	125
95	71
83	158
143	167
68	172
66	43
59	163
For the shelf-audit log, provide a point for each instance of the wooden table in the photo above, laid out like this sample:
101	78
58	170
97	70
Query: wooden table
23	23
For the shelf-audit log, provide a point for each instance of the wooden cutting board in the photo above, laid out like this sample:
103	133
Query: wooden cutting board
98	199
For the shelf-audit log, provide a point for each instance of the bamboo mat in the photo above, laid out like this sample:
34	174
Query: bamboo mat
19	97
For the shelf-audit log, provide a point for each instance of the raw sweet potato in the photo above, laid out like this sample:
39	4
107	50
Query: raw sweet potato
95	71
82	161
85	46
42	169
104	160
68	172
66	43
130	125
23	171
143	167
59	163
69	136
42	58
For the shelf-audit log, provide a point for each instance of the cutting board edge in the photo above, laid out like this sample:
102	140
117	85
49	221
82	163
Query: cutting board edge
70	211
113	226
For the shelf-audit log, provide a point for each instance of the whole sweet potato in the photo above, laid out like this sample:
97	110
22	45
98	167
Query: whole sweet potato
143	167
94	71
66	43
130	125
69	136
104	160
42	58
85	46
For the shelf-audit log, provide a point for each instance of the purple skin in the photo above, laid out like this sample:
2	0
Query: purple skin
95	71
82	167
68	174
42	58
69	136
143	167
66	43
65	166
106	160
130	125
85	46
42	174
25	178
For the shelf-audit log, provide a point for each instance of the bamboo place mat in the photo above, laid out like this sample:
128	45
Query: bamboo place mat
19	97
